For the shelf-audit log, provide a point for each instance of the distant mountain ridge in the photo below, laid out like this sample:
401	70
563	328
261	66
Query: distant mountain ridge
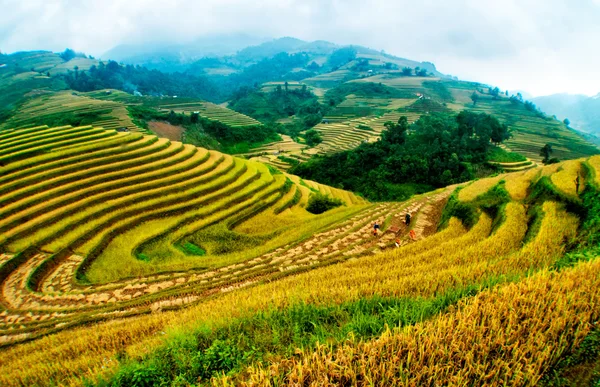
582	111
237	50
177	57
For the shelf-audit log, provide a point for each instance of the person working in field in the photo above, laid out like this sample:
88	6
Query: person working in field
376	228
407	219
577	183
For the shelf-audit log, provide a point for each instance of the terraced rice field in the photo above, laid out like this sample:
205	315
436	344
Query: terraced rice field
399	82
531	133
212	112
82	221
345	135
328	80
530	310
515	166
40	110
337	136
271	86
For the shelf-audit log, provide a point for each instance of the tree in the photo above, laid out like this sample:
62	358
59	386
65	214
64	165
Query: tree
286	86
313	66
407	71
546	152
567	121
341	57
313	137
530	106
500	132
474	98
421	72
395	133
495	92
68	54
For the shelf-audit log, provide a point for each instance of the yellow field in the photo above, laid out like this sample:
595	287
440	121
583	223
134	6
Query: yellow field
505	336
106	240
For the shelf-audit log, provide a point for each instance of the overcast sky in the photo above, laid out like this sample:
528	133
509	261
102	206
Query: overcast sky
539	46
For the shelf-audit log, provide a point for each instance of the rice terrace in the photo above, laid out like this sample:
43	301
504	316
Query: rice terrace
243	211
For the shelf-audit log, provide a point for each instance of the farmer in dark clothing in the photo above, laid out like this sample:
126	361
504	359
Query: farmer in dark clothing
376	228
407	219
577	182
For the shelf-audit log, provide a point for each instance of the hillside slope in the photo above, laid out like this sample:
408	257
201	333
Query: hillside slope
362	112
582	111
82	206
493	290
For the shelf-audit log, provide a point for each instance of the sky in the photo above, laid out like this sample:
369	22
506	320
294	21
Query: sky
538	46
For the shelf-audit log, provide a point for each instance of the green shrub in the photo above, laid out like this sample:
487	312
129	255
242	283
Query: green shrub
319	203
466	213
312	138
499	155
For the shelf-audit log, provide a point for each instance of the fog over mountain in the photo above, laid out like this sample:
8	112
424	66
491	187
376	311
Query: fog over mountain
543	47
582	111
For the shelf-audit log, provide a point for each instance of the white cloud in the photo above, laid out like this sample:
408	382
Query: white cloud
535	45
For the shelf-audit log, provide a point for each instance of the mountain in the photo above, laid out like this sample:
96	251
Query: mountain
171	57
226	54
581	110
271	48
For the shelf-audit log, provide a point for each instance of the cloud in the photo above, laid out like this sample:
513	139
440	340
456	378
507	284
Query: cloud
535	45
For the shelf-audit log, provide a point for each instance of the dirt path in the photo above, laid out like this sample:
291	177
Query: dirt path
166	130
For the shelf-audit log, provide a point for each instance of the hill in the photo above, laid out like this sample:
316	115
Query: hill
355	110
177	57
582	111
26	73
99	225
239	51
347	95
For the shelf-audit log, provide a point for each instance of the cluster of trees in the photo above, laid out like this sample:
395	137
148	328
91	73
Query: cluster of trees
277	68
280	103
69	54
340	57
437	150
112	75
312	137
189	84
417	71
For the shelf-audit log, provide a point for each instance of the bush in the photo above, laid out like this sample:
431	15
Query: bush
319	203
499	155
312	138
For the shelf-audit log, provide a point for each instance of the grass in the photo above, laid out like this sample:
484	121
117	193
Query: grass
500	155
